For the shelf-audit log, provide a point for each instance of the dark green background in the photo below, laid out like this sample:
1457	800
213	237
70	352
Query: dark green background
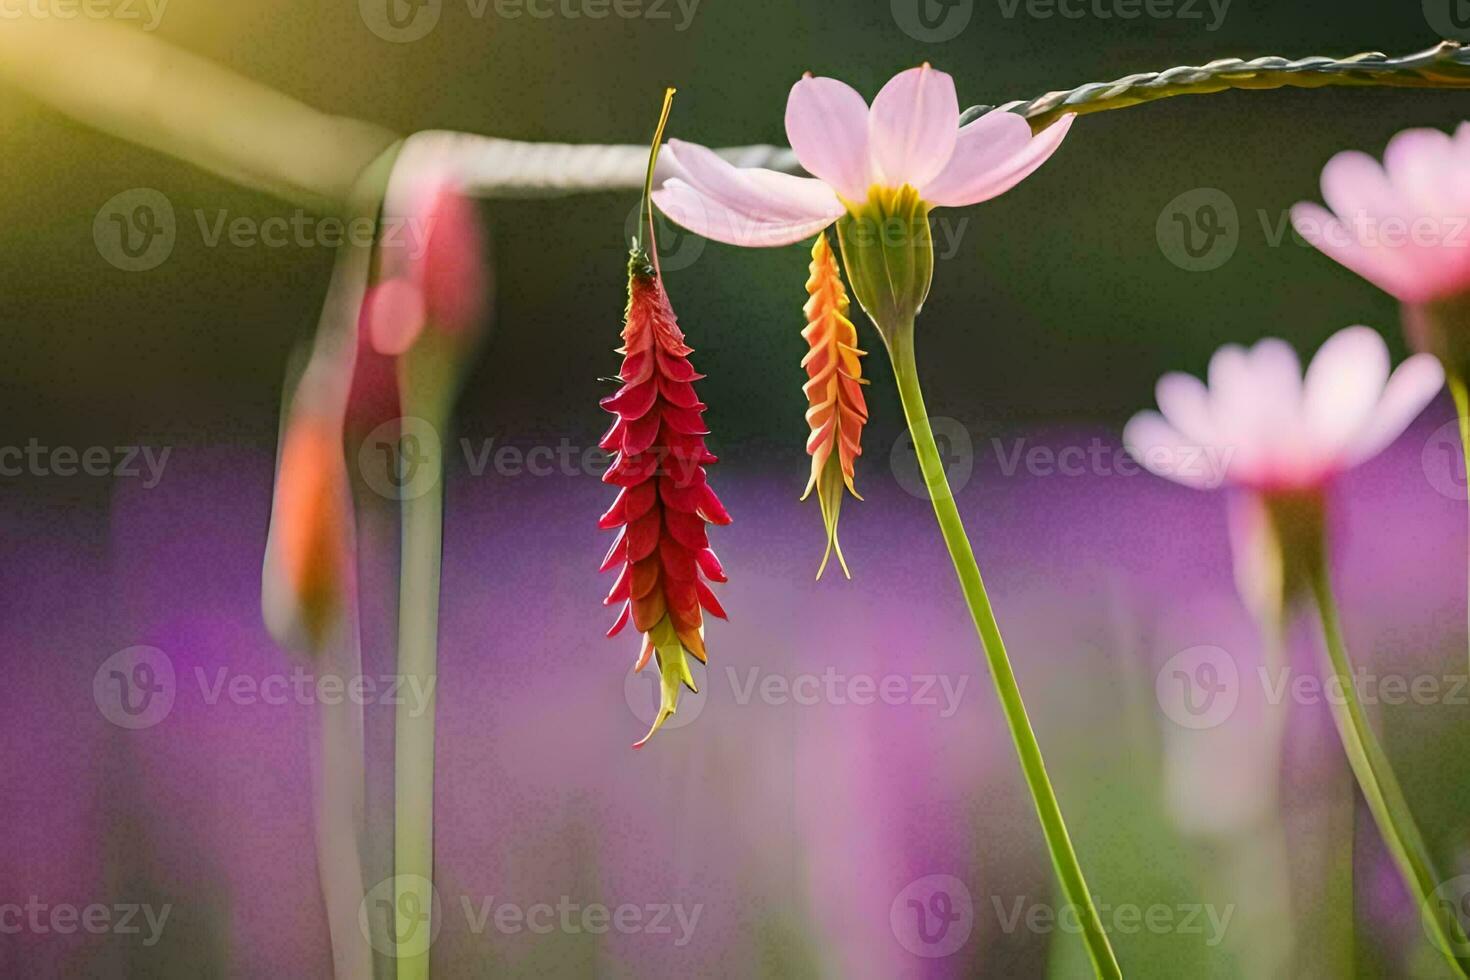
1058	305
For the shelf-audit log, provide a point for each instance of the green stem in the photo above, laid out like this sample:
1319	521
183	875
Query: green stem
1462	408
1064	858
1381	789
418	633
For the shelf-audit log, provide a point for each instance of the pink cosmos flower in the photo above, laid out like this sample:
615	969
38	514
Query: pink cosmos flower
909	137
1401	225
1262	426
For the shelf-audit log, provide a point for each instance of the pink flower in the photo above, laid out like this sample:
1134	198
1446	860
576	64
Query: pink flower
432	265
909	137
1401	225
1260	425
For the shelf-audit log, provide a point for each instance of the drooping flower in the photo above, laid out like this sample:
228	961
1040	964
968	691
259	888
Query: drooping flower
836	410
877	172
664	503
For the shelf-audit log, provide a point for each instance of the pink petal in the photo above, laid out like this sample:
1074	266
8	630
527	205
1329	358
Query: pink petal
1344	382
705	216
1185	403
1162	450
827	126
393	313
1412	387
1383	267
1357	190
981	148
761	194
964	183
913	126
1417	162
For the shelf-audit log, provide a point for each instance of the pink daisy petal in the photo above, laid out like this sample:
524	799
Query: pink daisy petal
1383	267
1185	403
1344	382
959	188
762	194
1164	451
827	126
1410	389
913	126
981	149
705	216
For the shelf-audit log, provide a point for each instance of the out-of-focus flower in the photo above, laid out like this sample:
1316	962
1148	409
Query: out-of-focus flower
1404	225
432	268
1399	224
662	550
1259	424
305	578
836	409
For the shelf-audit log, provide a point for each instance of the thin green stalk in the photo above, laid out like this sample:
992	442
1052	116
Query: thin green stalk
1381	789
1063	856
418	634
1462	409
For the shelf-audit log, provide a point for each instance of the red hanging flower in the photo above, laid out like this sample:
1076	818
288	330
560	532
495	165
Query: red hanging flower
662	550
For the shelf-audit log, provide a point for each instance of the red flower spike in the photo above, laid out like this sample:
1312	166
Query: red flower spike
665	503
836	409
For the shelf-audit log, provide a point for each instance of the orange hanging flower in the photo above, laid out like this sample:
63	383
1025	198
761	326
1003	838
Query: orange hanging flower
662	549
836	409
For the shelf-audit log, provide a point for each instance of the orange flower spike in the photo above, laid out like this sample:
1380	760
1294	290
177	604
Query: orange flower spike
662	550
836	409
